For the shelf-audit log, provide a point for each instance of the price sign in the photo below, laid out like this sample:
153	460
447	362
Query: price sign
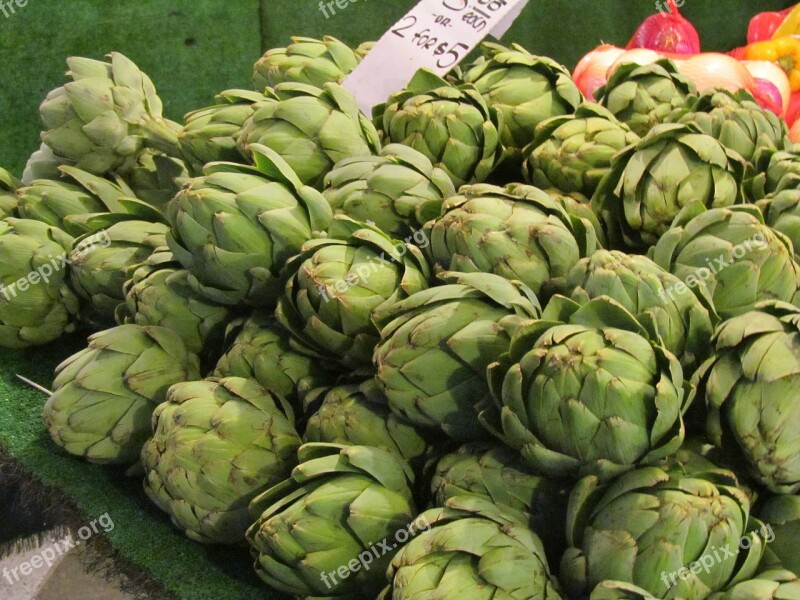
435	34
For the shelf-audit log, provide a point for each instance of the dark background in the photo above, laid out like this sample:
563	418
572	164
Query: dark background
193	49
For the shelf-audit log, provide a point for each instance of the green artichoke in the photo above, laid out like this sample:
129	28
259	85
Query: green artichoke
105	116
781	514
769	585
675	536
573	153
498	474
473	550
155	178
737	121
104	396
453	126
683	323
327	531
643	96
236	227
42	164
781	211
750	386
36	304
399	191
775	172
526	89
585	390
306	60
349	416
339	282
8	194
652	181
579	207
619	590
518	232
101	264
69	205
216	445
436	345
208	135
311	128
731	253
261	351
159	294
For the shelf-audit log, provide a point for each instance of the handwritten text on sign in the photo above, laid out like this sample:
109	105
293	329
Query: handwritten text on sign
435	34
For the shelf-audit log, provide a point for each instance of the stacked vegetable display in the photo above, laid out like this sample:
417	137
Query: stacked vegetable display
499	342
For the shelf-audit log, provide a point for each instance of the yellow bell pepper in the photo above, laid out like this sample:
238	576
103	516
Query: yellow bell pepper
790	25
784	52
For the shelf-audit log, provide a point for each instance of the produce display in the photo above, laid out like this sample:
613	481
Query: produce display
519	334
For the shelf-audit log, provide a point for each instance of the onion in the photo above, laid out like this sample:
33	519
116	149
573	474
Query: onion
667	31
768	96
713	70
590	73
640	56
762	69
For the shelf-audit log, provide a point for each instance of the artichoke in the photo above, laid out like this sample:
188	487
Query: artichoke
498	474
471	549
573	153
526	89
208	135
311	128
326	531
215	446
683	323
750	386
159	294
579	207
453	126
731	253
399	191
155	178
261	351
643	96
36	304
585	390
782	517
336	286
104	396
652	181
769	585
781	211
737	121
105	116
436	345
101	264
650	526
518	232
355	415
775	172
236	227
8	194
306	60
69	206
42	164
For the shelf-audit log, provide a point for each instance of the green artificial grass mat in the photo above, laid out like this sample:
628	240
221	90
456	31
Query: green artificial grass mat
193	49
142	534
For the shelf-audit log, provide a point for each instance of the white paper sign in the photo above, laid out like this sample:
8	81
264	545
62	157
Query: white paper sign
435	34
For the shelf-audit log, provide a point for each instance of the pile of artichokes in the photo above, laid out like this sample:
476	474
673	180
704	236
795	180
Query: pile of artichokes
493	341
